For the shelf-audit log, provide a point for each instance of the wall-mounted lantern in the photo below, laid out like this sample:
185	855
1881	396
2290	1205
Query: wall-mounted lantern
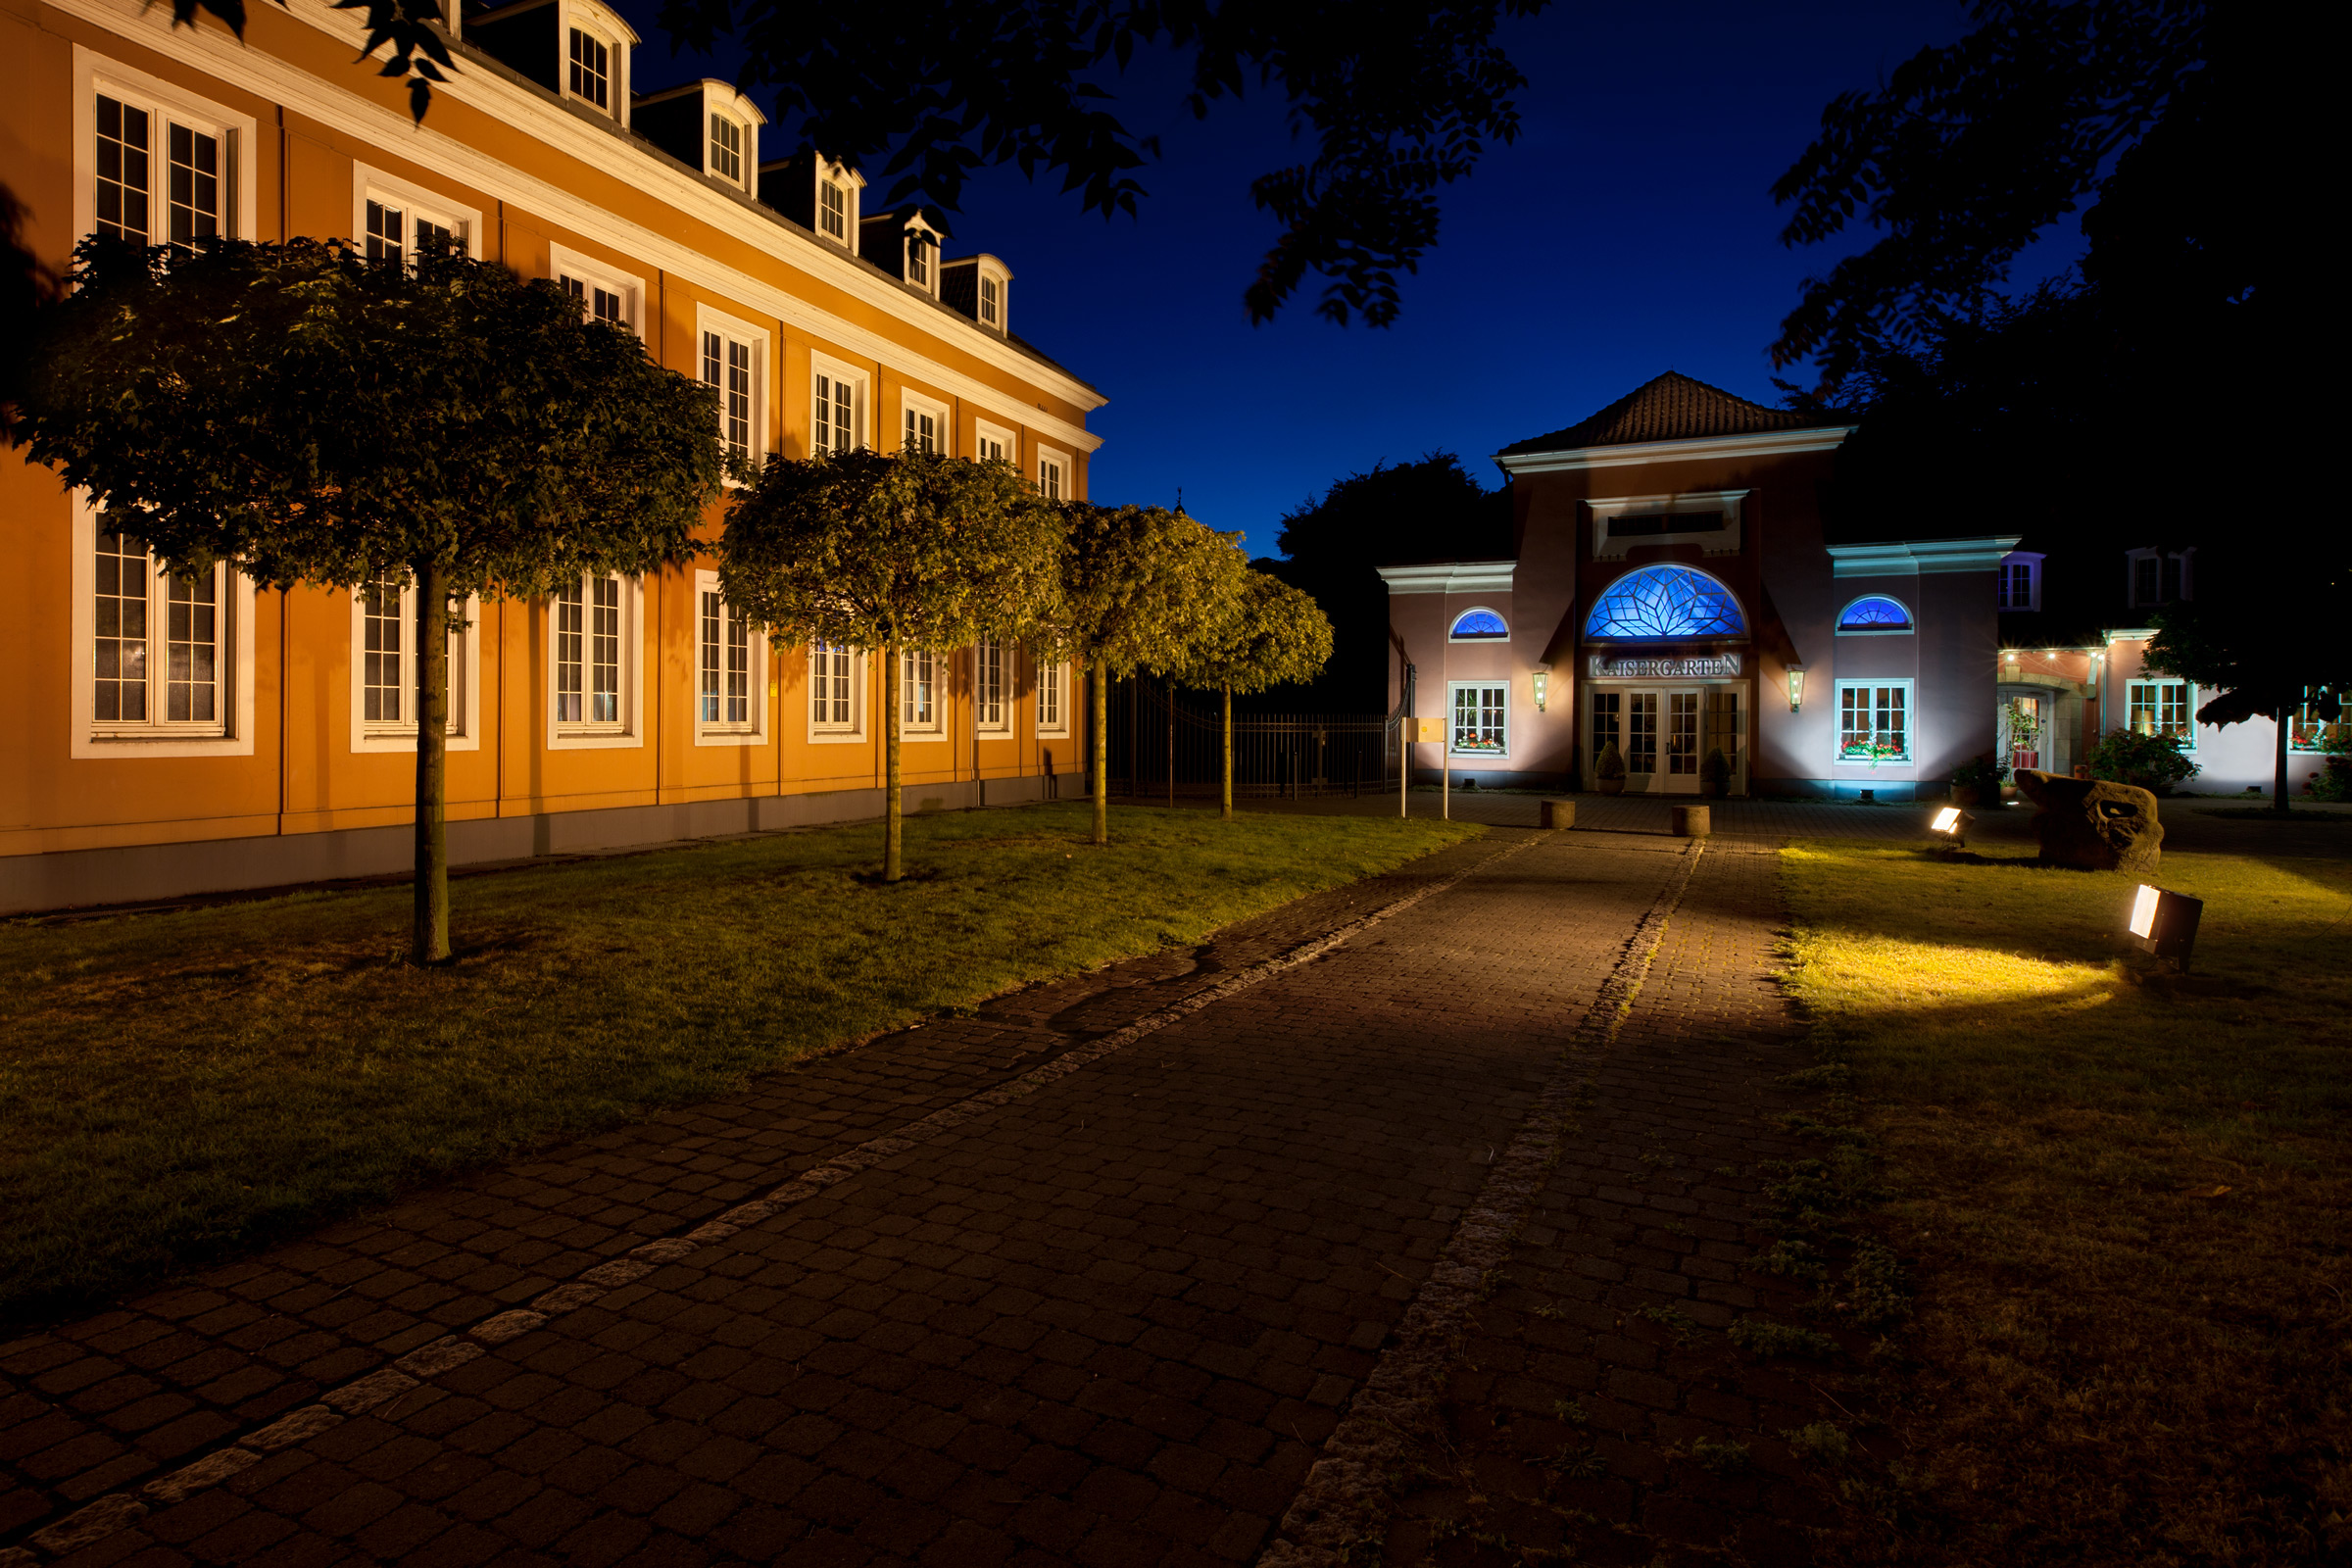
1542	685
2165	923
1797	686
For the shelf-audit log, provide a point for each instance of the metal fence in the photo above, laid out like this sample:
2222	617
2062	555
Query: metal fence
1168	745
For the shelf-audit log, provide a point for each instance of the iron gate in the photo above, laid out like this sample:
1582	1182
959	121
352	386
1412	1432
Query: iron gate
1168	744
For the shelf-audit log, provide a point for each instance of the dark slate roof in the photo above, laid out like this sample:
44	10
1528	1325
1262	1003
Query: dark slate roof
1672	408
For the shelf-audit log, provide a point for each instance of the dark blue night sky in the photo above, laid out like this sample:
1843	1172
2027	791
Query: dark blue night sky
1629	231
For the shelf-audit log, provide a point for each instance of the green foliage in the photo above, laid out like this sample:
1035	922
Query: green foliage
313	417
1142	588
1982	773
1760	1337
2151	762
1719	1457
1715	769
1819	1443
878	551
1875	1289
2333	782
1611	763
1275	636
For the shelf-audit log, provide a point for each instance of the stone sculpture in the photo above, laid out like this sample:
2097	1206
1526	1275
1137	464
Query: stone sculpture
2092	824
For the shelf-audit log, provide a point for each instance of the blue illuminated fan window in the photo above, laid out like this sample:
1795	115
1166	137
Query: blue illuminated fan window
1666	601
1875	613
1476	624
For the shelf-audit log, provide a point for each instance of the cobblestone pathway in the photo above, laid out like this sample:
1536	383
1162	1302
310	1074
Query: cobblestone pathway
1090	1277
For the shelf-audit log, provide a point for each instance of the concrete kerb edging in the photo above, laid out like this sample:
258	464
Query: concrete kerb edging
1347	1497
121	1510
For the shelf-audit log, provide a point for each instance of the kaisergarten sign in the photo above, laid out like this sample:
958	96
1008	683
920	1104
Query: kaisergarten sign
1665	666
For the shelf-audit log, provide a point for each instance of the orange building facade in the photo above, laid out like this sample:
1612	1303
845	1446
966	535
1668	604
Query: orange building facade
172	739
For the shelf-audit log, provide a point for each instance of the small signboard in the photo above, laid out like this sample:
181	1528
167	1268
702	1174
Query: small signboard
1664	666
1428	732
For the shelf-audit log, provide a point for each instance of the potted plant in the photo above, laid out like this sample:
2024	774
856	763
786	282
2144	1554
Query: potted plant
2153	762
1714	773
1978	780
1609	771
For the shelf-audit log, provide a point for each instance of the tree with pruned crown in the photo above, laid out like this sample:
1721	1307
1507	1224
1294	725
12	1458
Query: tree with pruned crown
309	417
1275	636
897	553
1142	588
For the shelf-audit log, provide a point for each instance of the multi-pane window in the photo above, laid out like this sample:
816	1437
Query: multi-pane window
836	405
157	649
991	309
1682	733
922	432
2159	577
2307	731
1049	477
2013	585
599	303
397	234
384	633
133	140
726	148
1051	679
1608	710
918	690
1874	721
832	680
722	665
832	211
2159	708
918	261
588	645
987	687
591	68
992	449
727	366
1481	720
1641	733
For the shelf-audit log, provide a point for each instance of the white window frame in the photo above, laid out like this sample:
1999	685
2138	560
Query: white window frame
94	74
2188	710
629	730
2032	561
1452	730
230	735
832	174
1051	680
832	370
463	733
913	727
753	729
1003	282
1838	627
913	405
735	330
984	432
829	733
1049	458
1002	724
415	201
1455	619
746	150
564	263
1874	684
923	244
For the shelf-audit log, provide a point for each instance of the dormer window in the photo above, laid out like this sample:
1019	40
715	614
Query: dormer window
2160	577
591	70
918	261
833	211
992	302
2017	581
726	149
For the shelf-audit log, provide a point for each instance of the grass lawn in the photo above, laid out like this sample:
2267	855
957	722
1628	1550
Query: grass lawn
2126	1197
174	1086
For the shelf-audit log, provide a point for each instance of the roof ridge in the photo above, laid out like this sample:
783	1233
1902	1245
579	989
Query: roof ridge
1671	407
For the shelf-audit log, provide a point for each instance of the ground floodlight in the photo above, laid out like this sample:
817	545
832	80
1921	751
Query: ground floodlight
2165	923
1949	827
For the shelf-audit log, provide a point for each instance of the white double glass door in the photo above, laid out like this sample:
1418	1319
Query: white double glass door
1665	732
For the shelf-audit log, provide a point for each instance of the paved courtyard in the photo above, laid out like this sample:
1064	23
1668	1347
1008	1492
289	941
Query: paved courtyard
1291	1248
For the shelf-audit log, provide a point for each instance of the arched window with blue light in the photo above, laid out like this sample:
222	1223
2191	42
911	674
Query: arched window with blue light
1666	601
1875	616
1479	625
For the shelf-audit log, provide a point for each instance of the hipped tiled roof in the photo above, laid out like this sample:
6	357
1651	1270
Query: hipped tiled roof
1670	408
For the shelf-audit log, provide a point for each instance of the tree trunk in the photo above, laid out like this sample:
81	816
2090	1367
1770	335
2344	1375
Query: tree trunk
1099	719
1227	814
892	870
2278	800
431	940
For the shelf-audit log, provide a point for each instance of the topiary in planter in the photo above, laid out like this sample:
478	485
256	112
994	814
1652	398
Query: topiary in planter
1714	772
1609	771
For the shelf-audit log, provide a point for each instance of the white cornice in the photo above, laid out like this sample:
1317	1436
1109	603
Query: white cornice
1913	557
1760	444
208	49
1450	577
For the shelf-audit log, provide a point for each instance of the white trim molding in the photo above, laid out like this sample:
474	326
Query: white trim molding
1453	577
94	72
751	730
417	201
629	728
1610	545
984	431
1760	444
913	405
1915	557
464	730
563	262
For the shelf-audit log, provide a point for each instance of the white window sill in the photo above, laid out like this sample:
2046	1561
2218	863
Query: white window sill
593	740
836	737
730	737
